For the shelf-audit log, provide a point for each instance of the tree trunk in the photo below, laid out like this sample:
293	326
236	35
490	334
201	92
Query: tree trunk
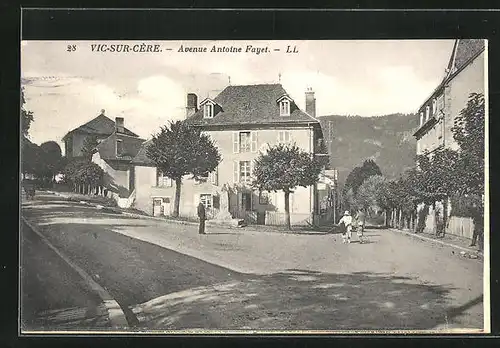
287	209
385	218
178	184
445	215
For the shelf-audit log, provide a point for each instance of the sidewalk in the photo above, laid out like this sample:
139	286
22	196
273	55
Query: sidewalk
461	244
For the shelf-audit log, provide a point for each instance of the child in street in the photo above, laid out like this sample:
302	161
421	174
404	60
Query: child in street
346	220
360	225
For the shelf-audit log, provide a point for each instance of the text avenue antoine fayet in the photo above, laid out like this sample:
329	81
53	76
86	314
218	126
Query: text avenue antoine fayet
184	48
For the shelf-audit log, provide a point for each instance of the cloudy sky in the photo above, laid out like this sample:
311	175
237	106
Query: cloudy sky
66	89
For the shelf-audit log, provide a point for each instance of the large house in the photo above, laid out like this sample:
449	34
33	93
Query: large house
101	127
242	121
464	75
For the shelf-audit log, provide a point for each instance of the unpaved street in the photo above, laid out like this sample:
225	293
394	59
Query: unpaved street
166	276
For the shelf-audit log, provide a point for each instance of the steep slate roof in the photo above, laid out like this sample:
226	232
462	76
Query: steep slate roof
101	125
141	158
463	53
131	146
251	104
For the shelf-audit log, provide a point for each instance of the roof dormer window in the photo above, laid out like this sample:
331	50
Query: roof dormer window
208	111
284	104
285	108
208	106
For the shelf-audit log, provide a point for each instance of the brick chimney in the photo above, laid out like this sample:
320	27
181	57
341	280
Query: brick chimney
310	102
192	104
119	124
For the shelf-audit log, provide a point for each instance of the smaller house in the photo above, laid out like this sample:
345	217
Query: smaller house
114	154
101	127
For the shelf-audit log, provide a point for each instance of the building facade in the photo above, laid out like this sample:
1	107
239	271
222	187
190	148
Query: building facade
243	121
464	75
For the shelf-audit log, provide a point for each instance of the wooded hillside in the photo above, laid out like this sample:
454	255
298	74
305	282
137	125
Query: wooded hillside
388	140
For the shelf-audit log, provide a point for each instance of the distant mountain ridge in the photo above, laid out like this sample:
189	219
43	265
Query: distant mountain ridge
388	140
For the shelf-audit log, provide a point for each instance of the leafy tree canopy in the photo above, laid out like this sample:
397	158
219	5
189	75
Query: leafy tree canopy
469	131
360	174
82	172
180	149
284	167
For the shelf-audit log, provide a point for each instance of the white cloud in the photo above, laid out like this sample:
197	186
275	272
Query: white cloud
364	78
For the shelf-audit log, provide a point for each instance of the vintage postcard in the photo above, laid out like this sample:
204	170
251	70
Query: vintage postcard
254	187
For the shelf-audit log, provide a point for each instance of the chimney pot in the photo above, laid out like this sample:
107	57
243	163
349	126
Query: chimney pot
192	104
119	124
103	111
310	102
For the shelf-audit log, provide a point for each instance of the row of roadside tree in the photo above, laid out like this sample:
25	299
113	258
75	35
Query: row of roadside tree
444	176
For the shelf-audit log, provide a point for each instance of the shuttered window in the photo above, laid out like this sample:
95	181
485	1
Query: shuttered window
214	176
284	137
245	172
236	142
244	141
236	172
253	140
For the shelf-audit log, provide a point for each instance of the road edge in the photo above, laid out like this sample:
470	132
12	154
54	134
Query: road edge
116	315
469	250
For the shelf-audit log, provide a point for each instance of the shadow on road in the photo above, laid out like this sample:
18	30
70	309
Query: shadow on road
299	299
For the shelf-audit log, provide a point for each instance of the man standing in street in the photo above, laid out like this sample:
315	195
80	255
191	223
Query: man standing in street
202	217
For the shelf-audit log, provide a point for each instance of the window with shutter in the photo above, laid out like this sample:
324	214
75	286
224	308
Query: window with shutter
245	141
427	112
244	172
236	142
236	173
421	118
213	176
284	137
254	141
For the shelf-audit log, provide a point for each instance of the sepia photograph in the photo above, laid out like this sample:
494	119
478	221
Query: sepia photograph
250	186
